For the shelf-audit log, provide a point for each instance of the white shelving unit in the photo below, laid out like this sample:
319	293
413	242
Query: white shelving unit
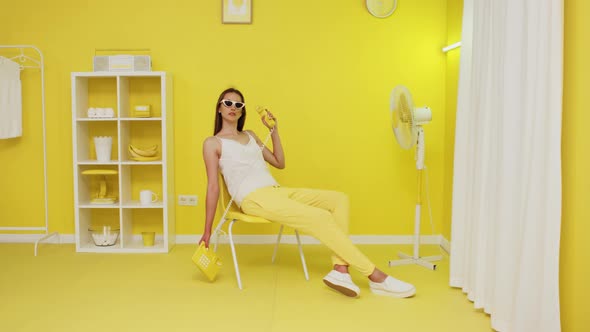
121	92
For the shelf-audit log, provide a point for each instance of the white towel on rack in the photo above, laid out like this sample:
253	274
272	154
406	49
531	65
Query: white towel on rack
10	99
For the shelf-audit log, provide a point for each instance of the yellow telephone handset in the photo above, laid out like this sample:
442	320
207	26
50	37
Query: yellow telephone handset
263	112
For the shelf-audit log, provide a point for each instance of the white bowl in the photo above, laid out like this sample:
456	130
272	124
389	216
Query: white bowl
104	236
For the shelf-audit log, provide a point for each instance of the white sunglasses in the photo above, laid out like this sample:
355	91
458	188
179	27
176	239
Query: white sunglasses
230	103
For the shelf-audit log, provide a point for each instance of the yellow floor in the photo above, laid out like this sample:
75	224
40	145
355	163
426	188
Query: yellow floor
61	290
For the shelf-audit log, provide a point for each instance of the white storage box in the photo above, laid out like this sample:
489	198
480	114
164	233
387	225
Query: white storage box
122	63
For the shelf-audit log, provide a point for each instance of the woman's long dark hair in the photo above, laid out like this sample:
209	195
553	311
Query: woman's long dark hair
218	120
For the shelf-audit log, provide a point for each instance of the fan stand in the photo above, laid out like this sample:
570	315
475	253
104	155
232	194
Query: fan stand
415	258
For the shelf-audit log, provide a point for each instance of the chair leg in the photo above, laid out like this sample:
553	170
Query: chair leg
216	233
233	253
274	254
302	256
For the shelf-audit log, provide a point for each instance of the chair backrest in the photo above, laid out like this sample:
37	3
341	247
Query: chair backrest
224	196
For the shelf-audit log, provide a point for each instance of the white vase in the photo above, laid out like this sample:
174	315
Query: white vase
102	145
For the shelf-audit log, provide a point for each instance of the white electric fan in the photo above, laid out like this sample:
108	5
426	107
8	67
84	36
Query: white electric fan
407	121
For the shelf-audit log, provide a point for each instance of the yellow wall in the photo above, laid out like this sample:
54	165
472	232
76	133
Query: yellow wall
326	69
574	270
454	22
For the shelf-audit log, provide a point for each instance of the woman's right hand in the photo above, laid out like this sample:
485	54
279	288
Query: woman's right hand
205	238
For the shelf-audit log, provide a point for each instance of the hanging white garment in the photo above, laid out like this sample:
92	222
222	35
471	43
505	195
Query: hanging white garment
10	99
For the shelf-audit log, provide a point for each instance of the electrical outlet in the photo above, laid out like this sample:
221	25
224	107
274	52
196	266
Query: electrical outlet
188	200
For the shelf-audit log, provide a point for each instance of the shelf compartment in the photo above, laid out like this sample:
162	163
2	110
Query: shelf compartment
95	92
89	186
135	178
136	221
86	130
142	134
97	218
140	91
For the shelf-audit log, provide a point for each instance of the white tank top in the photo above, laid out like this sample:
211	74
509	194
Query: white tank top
243	167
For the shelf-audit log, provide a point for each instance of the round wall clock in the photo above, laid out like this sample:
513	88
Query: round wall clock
381	8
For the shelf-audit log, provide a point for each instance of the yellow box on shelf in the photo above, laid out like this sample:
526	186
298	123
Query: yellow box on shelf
142	111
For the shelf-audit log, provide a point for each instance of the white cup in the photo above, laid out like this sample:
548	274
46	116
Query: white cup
147	197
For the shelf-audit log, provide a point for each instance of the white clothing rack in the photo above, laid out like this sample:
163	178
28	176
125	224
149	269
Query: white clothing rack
36	63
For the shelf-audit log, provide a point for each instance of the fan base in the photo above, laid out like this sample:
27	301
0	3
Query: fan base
408	259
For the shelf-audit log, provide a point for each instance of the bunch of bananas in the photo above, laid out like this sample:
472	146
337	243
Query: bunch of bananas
143	154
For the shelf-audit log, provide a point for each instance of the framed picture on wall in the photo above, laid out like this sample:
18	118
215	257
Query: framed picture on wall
236	11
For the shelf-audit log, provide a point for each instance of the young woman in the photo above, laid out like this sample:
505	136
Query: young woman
323	214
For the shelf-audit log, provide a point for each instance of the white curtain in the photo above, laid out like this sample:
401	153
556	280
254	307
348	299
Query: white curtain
507	169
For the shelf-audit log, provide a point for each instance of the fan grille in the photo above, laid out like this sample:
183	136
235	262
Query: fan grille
402	117
405	114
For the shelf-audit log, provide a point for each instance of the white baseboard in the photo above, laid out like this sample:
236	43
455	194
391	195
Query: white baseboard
445	244
250	239
32	238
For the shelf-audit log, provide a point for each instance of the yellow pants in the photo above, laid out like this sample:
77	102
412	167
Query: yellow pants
320	213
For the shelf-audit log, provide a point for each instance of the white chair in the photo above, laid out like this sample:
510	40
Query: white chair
235	214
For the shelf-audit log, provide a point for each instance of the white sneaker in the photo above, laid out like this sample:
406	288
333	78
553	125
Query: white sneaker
392	287
342	282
